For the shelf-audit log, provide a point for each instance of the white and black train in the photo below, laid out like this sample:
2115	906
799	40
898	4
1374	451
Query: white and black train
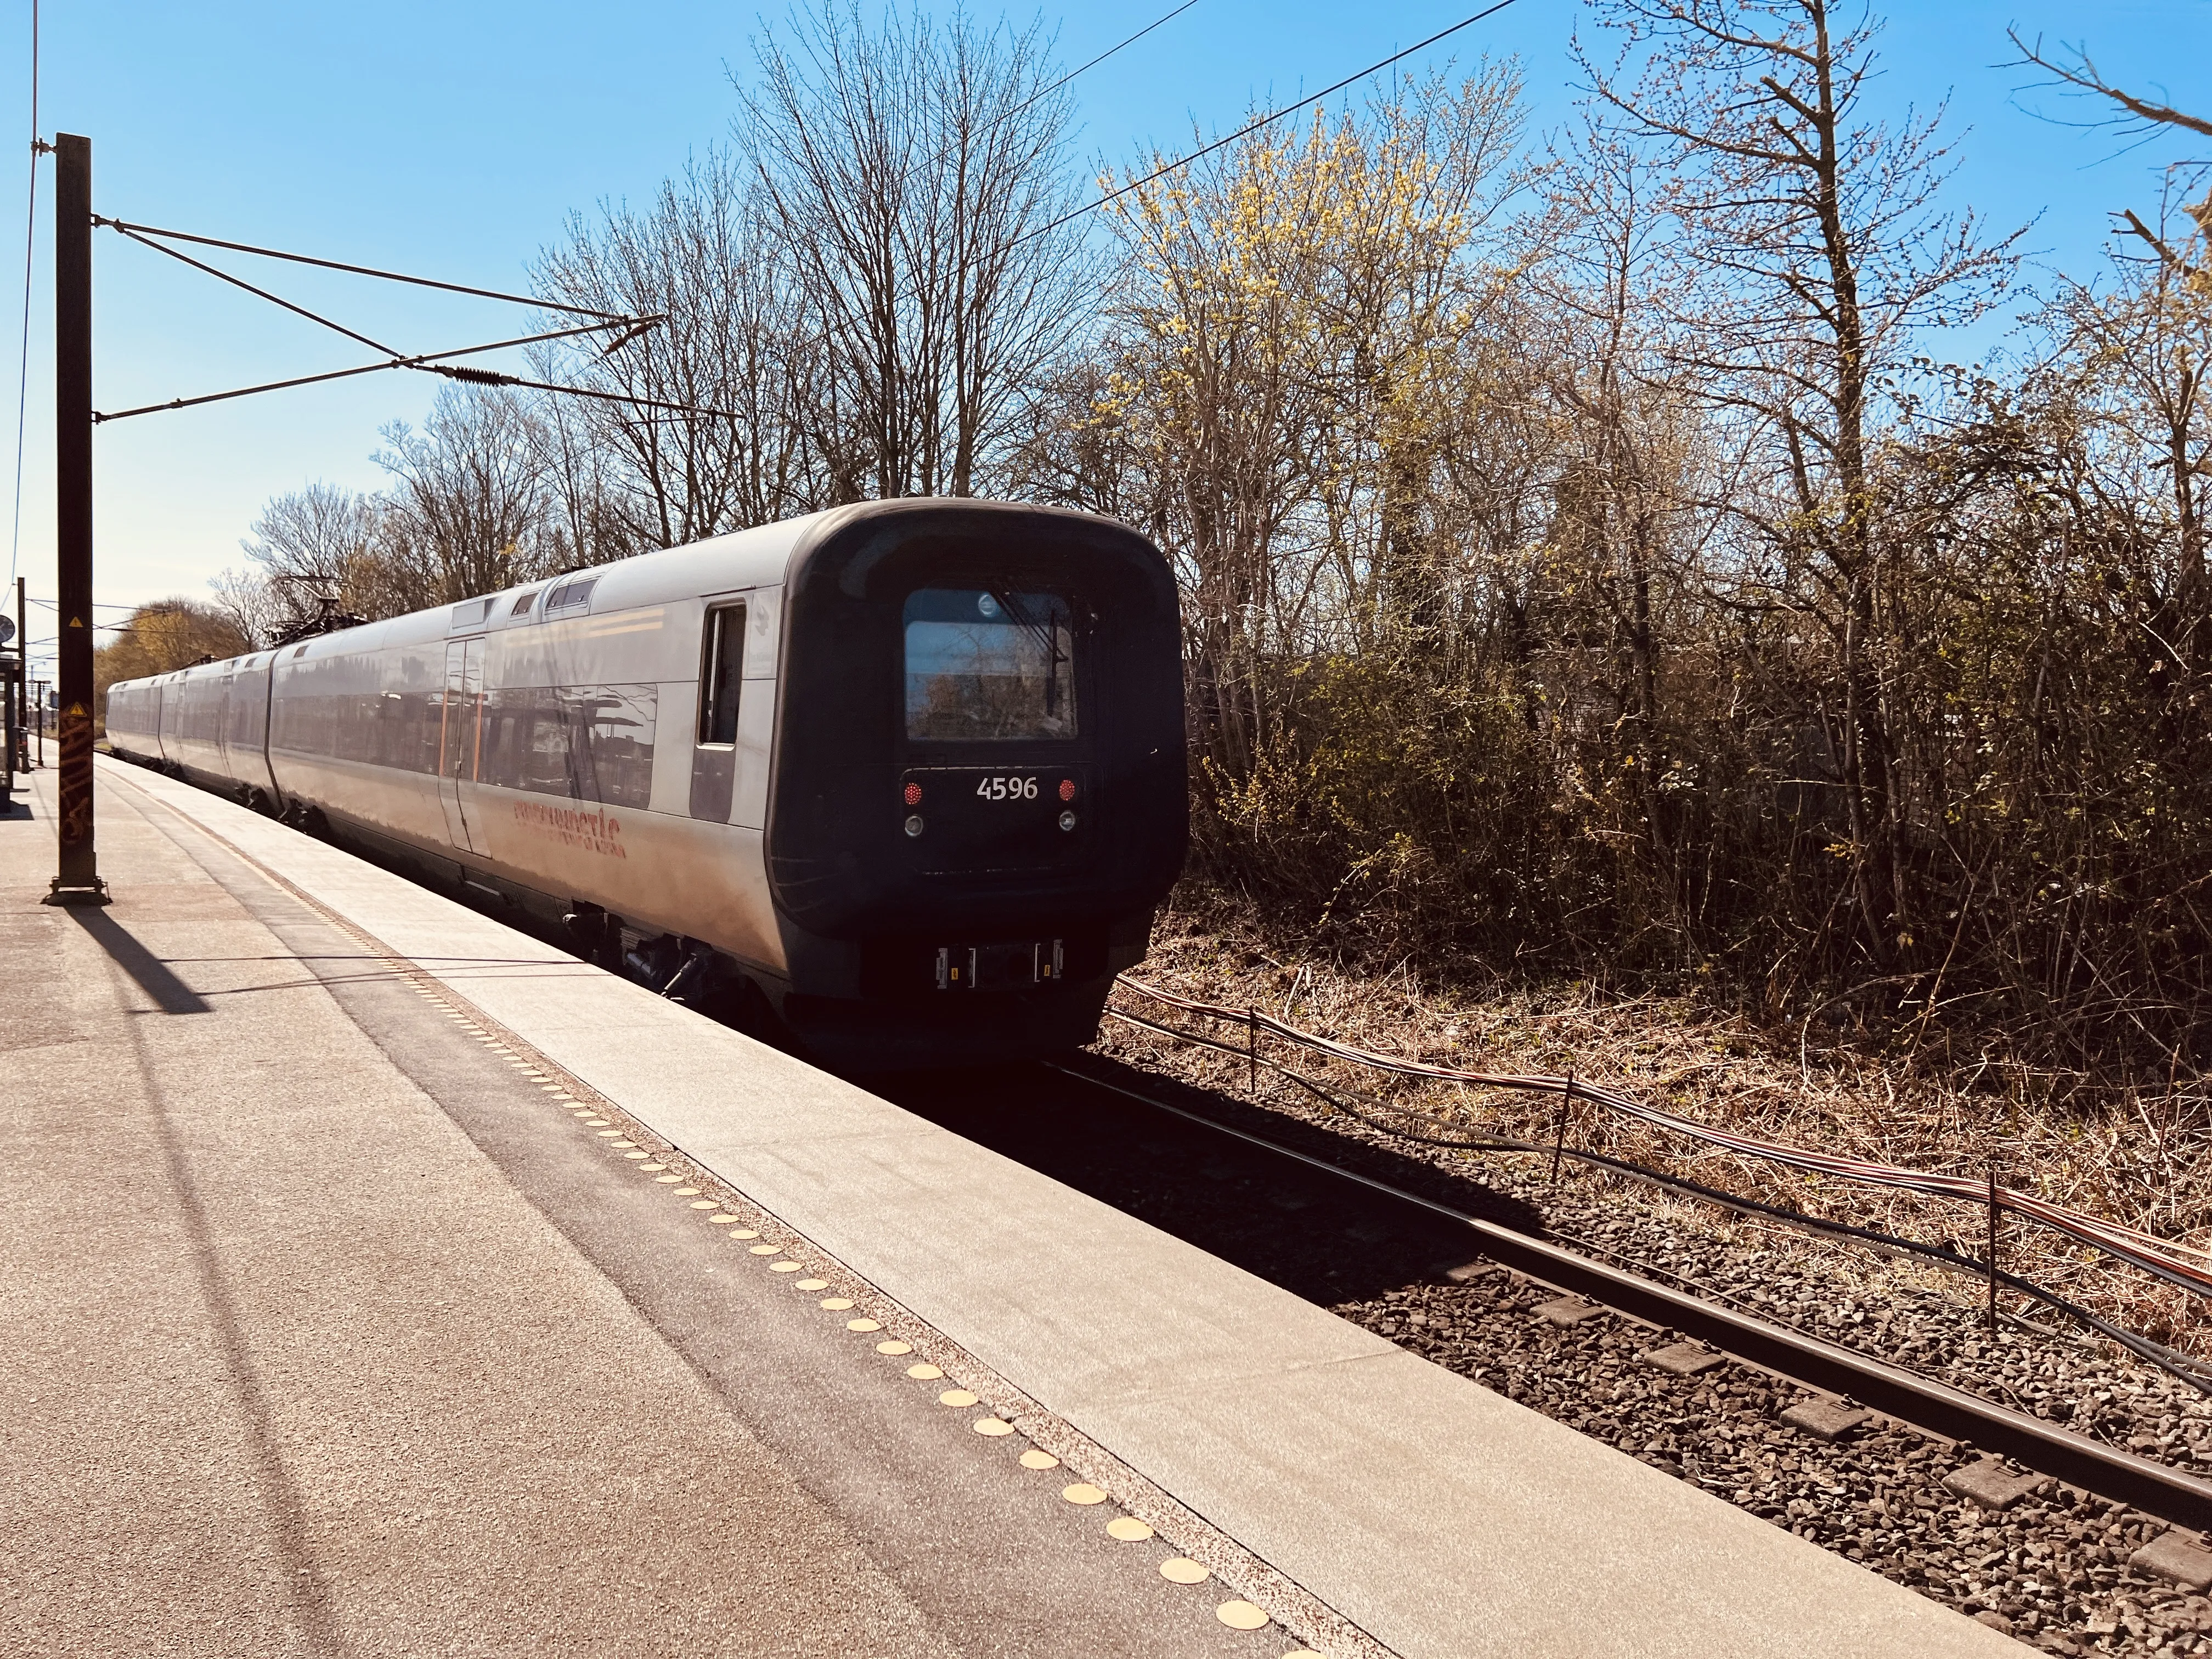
906	776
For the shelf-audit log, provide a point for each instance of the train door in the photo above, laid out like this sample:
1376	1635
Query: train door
221	732
463	725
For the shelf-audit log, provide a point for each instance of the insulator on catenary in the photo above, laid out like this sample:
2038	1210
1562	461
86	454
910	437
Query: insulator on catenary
475	376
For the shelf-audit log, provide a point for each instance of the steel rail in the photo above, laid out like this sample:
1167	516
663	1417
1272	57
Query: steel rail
1934	1408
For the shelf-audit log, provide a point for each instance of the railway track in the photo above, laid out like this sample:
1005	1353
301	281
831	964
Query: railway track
1575	1267
1923	1402
1459	1266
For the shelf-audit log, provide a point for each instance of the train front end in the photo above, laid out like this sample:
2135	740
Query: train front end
978	794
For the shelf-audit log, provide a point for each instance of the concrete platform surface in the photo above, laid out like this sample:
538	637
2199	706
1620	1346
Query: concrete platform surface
1352	1489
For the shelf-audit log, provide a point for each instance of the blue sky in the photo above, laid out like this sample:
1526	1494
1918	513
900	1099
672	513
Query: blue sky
453	139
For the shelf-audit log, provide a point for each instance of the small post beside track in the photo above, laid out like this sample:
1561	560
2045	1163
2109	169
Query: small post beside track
1993	1246
1559	1136
1251	1051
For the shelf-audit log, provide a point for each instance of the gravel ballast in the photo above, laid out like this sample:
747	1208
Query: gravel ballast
2051	1569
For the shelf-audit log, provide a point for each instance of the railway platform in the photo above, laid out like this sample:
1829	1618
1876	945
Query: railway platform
382	1280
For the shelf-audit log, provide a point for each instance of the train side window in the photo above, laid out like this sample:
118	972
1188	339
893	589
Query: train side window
721	674
569	595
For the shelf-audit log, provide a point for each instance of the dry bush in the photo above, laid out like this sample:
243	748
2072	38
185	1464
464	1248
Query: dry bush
1940	1101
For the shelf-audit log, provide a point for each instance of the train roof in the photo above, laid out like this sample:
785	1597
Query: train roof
743	559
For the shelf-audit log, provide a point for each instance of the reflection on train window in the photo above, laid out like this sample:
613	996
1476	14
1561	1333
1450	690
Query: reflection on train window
570	594
586	742
987	664
721	674
583	742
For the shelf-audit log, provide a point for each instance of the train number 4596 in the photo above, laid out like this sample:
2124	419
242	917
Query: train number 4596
1007	788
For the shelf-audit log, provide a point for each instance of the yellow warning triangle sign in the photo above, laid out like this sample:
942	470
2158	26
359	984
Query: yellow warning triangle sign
76	622
74	709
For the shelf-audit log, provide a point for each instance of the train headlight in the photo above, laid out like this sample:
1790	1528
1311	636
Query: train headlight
913	825
1067	820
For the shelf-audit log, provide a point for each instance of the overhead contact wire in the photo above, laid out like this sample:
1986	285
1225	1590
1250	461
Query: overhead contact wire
429	362
30	243
1269	119
1080	69
367	271
239	282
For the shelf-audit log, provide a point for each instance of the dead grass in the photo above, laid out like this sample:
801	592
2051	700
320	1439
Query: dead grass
1938	1099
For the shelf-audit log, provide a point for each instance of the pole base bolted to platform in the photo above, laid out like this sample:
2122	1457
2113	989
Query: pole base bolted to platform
79	882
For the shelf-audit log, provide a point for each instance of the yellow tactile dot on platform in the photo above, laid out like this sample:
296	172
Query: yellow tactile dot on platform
1083	1492
706	1204
894	1347
955	1397
836	1303
1182	1570
768	1249
723	1220
992	1426
622	1140
1128	1529
660	1166
611	1134
745	1232
811	1285
862	1325
923	1372
787	1267
657	1179
637	1154
687	1191
1034	1459
1302	1653
1241	1615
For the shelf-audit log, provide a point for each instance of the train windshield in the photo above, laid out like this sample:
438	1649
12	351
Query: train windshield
987	665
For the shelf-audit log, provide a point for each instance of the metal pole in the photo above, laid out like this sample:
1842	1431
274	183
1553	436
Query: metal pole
38	709
78	881
1251	1051
22	645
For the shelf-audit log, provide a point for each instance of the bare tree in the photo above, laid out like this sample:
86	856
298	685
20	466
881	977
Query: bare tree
252	603
917	174
2132	366
316	549
702	260
1824	250
469	509
2075	70
1632	463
